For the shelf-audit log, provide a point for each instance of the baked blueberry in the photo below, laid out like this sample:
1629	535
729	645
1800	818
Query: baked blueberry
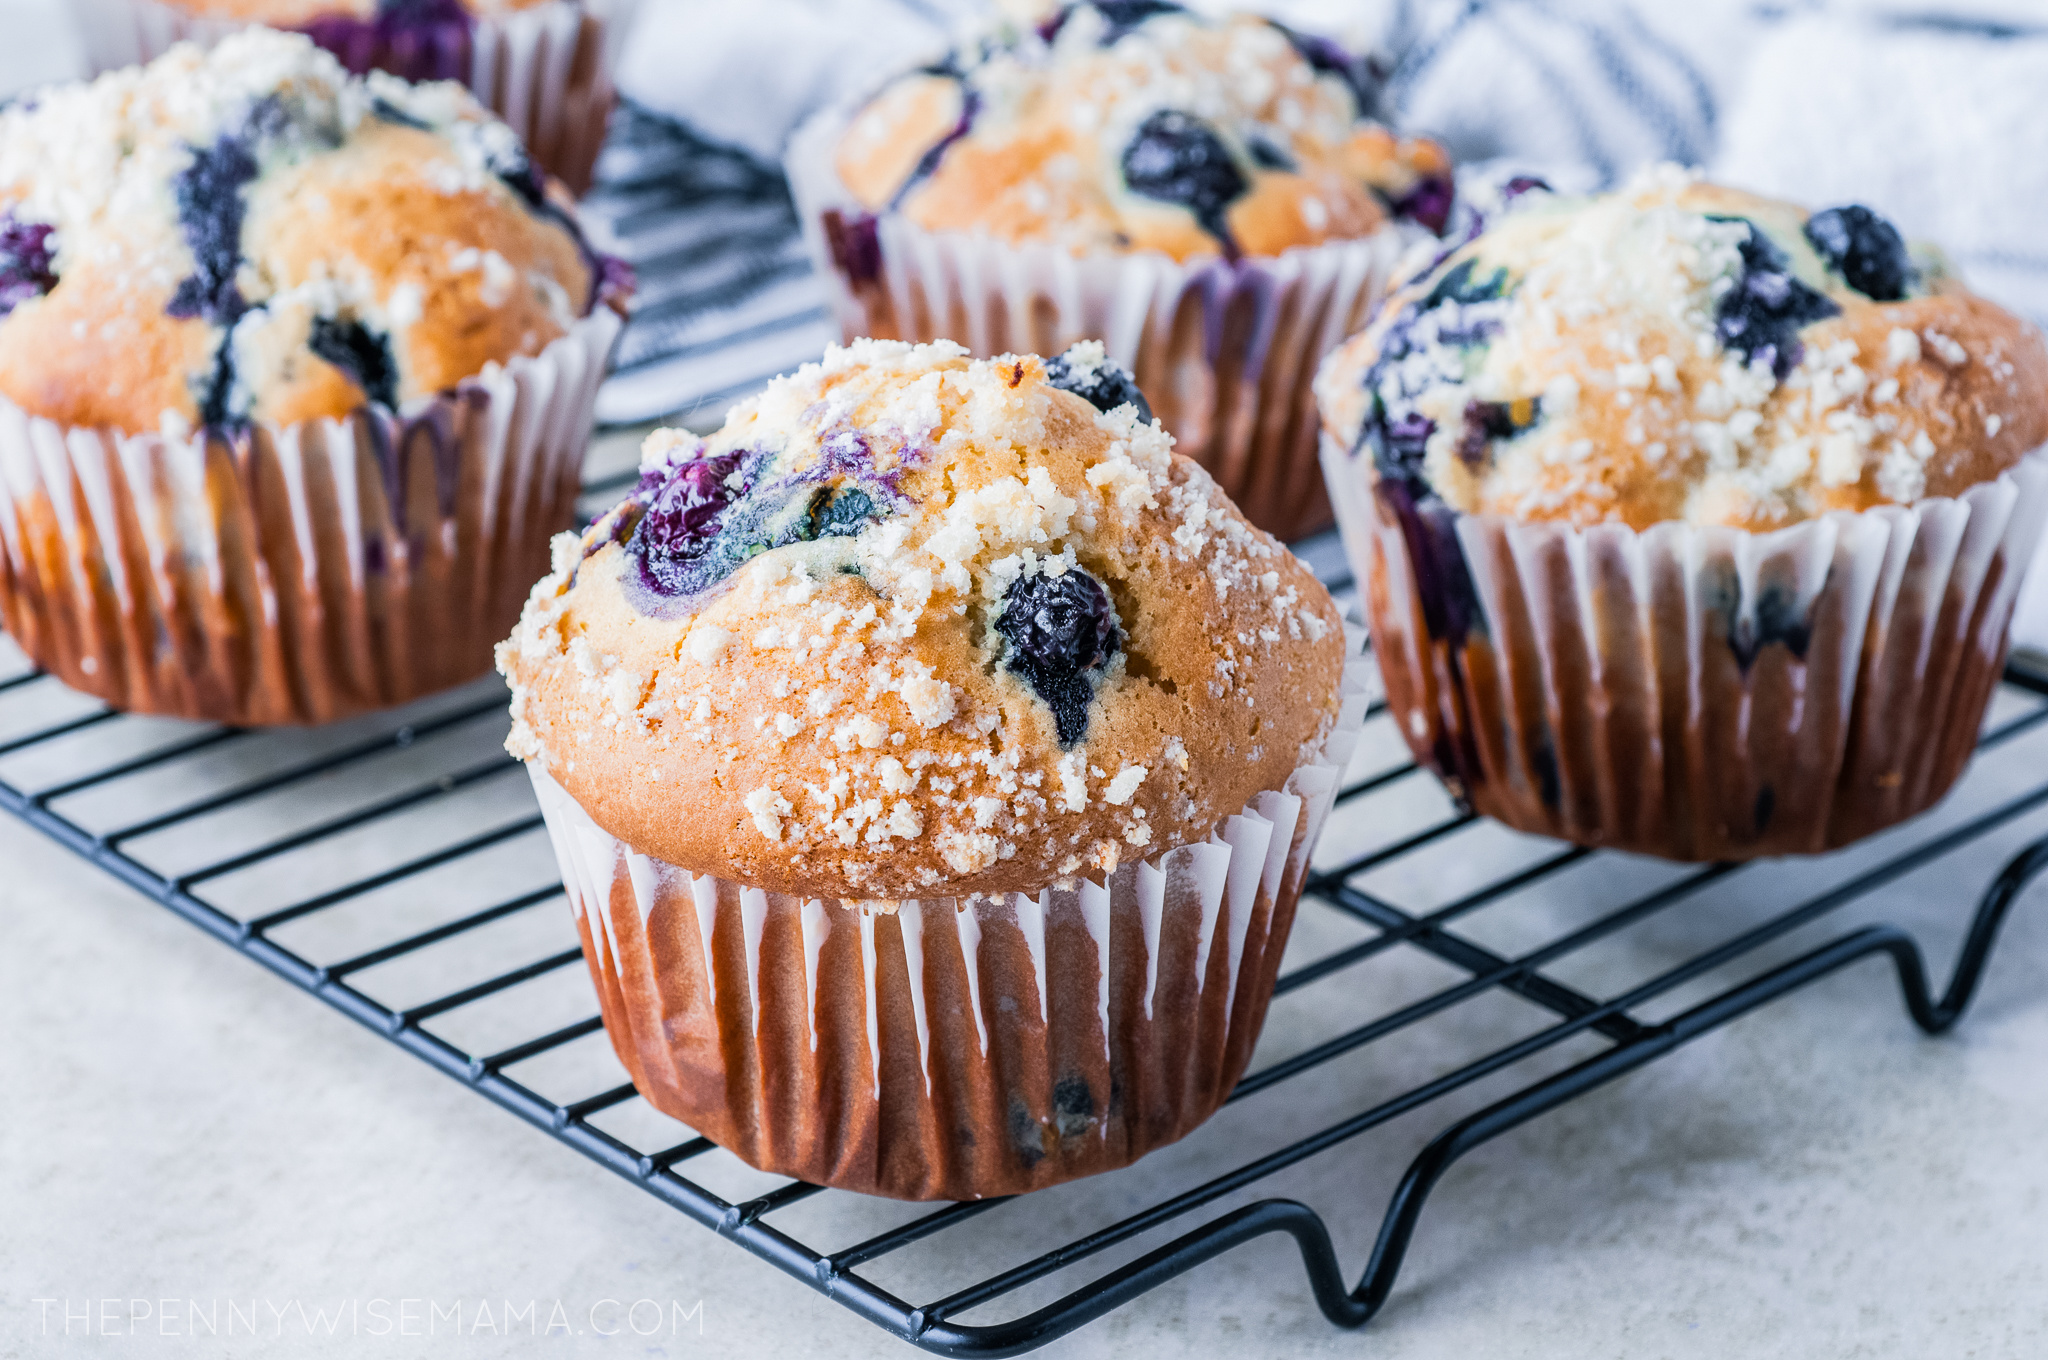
1061	630
210	211
1105	385
1760	316
1864	249
1428	204
1486	421
365	357
1175	157
677	538
27	264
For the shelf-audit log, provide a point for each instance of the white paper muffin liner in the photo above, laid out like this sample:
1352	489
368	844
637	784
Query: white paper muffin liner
300	573
1226	353
1700	693
547	71
949	1048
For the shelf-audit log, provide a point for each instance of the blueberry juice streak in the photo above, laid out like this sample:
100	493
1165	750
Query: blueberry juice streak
416	39
1062	632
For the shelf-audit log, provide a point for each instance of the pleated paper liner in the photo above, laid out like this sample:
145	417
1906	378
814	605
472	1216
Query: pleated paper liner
1699	693
295	574
949	1048
547	70
1224	352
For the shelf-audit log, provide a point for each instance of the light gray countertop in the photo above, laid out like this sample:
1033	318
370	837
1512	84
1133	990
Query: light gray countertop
1818	1180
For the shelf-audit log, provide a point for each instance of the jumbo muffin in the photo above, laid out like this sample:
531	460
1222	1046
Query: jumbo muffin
544	66
933	757
1691	522
1208	197
296	372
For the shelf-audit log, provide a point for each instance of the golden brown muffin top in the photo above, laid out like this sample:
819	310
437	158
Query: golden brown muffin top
1683	351
1138	125
912	625
251	234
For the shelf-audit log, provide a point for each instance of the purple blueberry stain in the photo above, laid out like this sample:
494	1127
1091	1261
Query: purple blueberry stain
1177	158
856	245
415	39
1760	316
1429	203
1865	249
1062	632
27	263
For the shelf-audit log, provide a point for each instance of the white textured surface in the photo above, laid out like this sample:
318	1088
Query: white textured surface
1819	1180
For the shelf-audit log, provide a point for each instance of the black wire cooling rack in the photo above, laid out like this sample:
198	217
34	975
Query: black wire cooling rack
1447	981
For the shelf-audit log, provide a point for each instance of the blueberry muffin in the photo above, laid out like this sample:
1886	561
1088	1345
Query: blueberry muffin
1207	196
926	711
218	270
1757	479
545	65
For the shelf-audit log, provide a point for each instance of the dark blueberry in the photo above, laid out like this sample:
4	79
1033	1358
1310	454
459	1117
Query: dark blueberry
391	113
1524	184
215	393
1177	158
1061	629
1332	59
26	262
1398	444
1458	286
1486	421
842	513
210	211
416	39
1429	203
677	540
1105	387
1760	316
366	358
1270	156
1864	249
856	245
1122	17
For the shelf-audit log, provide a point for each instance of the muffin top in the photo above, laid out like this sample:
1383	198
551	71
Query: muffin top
1683	351
1137	125
913	625
251	234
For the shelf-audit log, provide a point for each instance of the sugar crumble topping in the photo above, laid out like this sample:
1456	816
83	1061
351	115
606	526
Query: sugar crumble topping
877	734
1613	359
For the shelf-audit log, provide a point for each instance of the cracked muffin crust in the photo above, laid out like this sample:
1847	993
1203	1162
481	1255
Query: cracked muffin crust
912	622
250	234
1680	351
